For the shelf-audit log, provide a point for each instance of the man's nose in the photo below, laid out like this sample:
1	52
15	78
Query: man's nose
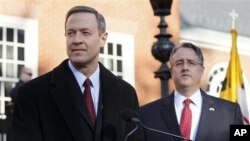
78	38
185	65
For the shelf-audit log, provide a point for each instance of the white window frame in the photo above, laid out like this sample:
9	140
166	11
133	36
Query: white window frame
30	27
128	66
31	38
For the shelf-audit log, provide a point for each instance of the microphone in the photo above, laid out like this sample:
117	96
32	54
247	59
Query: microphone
130	116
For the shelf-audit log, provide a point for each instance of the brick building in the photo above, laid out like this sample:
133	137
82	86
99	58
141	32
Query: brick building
32	34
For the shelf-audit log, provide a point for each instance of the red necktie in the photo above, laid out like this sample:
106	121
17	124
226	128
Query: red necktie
186	120
89	101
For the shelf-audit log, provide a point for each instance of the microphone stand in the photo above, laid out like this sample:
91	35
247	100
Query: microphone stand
130	116
161	132
137	121
131	132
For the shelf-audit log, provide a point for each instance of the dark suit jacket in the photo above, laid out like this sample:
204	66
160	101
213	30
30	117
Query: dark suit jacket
213	125
13	92
51	108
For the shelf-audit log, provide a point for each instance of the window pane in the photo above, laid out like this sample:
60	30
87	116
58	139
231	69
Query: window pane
19	67
8	87
1	33
110	48
10	34
20	53
119	66
1	70
119	50
110	64
102	50
10	52
9	70
20	36
1	51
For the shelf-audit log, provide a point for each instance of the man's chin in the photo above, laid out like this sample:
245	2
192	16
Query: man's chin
186	84
77	61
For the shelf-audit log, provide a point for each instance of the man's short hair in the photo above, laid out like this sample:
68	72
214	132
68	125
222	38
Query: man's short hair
100	19
196	49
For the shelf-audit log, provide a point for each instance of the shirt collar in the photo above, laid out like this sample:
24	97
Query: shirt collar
80	77
196	98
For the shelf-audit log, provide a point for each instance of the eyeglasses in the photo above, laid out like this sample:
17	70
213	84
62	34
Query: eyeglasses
189	63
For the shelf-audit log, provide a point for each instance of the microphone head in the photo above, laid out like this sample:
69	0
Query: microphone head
128	115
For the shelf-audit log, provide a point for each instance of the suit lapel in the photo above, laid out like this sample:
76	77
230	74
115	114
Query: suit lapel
169	115
206	117
69	100
110	96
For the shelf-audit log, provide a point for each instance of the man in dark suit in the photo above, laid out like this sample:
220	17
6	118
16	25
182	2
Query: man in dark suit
189	112
54	106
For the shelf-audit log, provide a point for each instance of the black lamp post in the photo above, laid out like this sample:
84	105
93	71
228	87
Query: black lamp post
161	49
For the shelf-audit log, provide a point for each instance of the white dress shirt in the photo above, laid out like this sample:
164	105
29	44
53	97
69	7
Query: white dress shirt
95	80
195	107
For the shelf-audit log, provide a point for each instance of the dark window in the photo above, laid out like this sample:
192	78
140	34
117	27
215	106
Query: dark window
110	48
20	36
119	66
1	33
10	34
19	66
1	70
20	53
119	50
102	50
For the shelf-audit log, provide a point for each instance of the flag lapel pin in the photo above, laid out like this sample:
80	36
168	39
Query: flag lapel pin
211	109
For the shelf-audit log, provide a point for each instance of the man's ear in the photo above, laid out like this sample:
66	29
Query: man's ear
103	39
170	69
202	69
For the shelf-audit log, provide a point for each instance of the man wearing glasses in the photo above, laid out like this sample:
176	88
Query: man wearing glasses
189	112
